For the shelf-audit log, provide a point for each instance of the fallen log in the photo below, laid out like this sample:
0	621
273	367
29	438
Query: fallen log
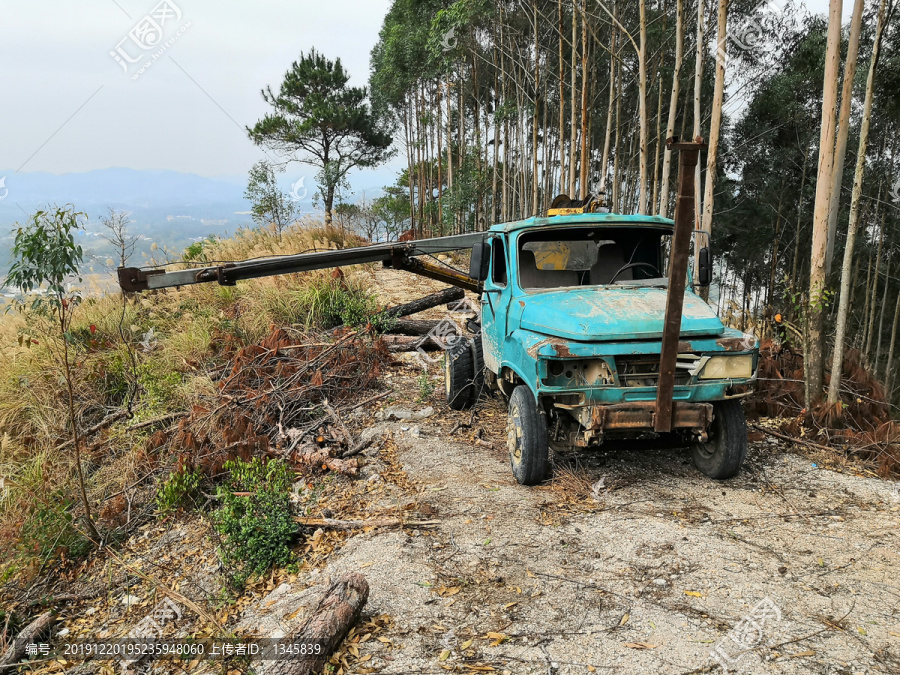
405	343
413	327
429	301
331	524
327	626
29	634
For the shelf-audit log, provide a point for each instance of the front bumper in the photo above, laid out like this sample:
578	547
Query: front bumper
639	415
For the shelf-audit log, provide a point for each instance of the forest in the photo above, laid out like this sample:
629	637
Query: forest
498	107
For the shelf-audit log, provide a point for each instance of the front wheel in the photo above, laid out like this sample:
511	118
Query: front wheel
526	438
722	455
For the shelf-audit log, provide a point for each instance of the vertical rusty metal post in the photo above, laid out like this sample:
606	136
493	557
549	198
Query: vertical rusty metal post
688	156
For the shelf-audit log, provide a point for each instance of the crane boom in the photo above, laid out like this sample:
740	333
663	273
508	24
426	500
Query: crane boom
398	254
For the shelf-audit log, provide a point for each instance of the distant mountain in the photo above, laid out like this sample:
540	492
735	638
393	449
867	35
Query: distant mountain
167	208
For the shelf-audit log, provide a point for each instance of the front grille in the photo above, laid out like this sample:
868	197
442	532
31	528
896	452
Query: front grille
643	370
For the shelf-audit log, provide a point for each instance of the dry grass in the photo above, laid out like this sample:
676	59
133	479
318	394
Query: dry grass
193	328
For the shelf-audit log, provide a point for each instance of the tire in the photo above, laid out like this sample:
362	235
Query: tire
477	368
458	376
526	438
722	455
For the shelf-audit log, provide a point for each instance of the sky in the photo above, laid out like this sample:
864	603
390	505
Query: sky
74	97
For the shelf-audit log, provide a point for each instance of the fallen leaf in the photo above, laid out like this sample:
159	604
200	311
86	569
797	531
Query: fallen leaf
624	620
444	655
640	645
694	594
465	645
808	652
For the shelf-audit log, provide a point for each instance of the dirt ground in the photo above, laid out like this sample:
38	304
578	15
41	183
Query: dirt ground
628	561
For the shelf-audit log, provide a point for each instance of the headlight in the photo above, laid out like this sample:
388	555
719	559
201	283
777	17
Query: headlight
728	367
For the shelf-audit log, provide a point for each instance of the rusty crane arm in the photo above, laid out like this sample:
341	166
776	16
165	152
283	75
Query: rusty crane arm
398	255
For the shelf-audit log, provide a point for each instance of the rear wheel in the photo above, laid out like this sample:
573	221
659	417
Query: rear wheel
526	438
722	455
458	375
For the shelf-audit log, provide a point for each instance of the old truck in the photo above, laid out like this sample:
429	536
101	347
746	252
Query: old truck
589	326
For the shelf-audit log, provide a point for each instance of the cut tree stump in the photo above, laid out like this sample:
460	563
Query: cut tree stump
327	625
29	634
429	301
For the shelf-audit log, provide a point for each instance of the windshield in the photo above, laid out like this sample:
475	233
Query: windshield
605	256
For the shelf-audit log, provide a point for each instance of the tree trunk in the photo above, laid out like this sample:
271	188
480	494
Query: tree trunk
642	109
573	108
844	306
328	624
714	129
583	182
414	307
843	133
673	107
562	103
888	373
604	162
698	85
815	374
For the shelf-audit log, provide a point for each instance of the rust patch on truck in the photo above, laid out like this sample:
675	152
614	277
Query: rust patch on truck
560	347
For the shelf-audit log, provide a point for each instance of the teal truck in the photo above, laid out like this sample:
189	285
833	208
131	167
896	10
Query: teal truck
589	327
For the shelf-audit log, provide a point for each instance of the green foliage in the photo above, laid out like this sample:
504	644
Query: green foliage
426	386
50	530
271	206
160	384
258	528
45	252
197	250
316	114
178	490
324	303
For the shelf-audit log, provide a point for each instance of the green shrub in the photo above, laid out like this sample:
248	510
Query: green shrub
179	489
426	386
50	530
257	528
160	384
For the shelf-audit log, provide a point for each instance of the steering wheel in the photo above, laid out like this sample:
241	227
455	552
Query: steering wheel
631	265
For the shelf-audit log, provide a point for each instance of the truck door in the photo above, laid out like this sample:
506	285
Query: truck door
494	305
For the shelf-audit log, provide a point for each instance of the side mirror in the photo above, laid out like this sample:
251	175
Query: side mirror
480	261
704	268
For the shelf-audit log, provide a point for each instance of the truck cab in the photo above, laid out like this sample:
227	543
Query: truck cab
572	319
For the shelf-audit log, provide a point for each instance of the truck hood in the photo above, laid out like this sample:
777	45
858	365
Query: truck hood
596	314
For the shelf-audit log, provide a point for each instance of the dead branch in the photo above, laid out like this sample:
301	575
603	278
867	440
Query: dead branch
330	524
157	420
791	439
312	455
29	634
102	424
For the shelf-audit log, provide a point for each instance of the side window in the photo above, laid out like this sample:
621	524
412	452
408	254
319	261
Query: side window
498	262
